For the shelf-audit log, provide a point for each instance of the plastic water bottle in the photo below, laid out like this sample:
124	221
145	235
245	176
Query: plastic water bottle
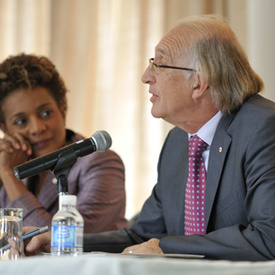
67	228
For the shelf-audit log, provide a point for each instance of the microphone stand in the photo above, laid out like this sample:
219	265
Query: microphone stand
61	171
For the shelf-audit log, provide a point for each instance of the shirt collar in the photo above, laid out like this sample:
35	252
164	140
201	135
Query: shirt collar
207	131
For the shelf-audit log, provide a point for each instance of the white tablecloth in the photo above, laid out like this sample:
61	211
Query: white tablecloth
116	264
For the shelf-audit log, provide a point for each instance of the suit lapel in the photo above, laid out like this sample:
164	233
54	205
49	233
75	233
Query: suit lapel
218	152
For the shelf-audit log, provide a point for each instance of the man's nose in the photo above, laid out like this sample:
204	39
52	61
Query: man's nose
148	76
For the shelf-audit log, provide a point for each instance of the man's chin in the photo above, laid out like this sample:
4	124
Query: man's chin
155	113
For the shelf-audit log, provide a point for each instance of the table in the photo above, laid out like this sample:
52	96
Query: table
116	264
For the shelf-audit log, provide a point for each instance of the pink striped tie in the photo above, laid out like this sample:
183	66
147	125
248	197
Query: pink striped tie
195	188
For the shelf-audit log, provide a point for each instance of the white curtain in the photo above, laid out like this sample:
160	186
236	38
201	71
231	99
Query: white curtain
101	48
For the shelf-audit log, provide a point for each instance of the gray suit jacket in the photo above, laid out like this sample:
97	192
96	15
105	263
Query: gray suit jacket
240	192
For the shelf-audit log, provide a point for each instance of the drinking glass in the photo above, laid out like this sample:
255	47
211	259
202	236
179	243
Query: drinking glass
11	242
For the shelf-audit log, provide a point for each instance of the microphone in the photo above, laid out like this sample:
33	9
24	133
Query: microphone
100	141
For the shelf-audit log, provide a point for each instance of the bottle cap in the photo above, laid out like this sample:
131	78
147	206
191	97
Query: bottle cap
68	199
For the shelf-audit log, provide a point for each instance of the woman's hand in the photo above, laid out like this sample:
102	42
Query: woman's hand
14	150
37	244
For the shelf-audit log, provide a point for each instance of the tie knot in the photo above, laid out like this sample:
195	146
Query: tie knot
196	146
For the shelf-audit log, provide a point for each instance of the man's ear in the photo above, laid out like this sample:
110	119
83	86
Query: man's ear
200	85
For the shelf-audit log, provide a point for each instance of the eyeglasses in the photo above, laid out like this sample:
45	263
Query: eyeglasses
154	66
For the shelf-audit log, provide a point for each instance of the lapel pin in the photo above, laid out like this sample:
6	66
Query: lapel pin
220	149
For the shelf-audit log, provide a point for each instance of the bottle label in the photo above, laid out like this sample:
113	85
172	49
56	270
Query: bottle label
67	236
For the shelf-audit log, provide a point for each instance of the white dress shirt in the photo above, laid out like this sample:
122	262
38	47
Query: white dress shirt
206	133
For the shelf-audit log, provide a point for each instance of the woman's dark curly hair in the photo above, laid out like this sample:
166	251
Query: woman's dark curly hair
27	71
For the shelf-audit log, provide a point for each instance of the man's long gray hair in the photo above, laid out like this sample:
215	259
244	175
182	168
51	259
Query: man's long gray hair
213	48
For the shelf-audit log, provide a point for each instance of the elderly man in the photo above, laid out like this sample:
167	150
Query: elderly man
216	173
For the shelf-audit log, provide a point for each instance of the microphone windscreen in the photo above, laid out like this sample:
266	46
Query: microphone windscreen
103	140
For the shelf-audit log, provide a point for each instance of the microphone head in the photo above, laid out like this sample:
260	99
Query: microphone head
102	140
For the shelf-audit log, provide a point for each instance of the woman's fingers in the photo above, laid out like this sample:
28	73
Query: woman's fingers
23	143
16	141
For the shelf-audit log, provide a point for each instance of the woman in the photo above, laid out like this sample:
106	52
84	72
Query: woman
33	109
